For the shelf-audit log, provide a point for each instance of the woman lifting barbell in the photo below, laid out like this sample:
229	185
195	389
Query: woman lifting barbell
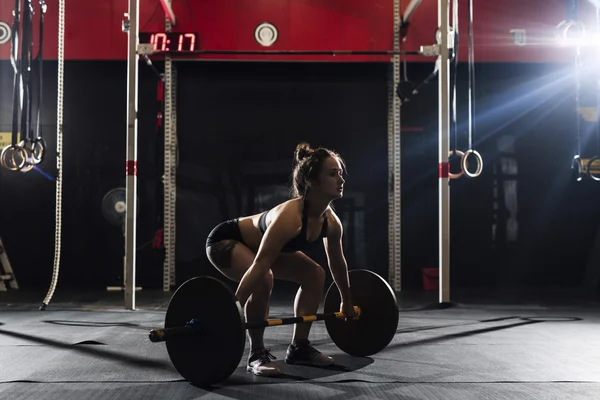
253	250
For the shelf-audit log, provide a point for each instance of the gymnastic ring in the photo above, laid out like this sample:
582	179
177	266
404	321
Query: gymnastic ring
462	171
39	150
29	147
464	163
10	150
28	166
589	168
579	164
562	31
2	155
13	166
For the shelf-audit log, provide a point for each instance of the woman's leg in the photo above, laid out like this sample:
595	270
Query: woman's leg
233	259
299	268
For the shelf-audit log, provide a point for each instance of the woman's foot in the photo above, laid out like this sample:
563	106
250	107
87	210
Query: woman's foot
302	353
260	363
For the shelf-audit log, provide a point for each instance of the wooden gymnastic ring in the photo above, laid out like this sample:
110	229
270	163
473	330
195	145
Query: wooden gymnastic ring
39	150
462	170
591	170
464	163
28	147
577	163
9	151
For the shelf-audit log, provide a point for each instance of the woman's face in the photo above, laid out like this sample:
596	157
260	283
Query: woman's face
331	182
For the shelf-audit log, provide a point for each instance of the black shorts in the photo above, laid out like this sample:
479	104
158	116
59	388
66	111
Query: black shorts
228	230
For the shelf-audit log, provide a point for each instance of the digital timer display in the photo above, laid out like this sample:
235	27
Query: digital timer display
171	42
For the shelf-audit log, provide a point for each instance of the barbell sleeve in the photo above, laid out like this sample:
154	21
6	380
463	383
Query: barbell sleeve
162	335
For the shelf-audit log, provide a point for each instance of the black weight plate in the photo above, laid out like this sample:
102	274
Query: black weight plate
212	355
378	321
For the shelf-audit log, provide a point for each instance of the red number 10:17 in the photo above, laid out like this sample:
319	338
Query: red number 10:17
186	42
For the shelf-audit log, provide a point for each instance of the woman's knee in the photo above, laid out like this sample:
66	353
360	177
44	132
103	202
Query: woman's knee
315	277
300	269
321	276
262	294
267	282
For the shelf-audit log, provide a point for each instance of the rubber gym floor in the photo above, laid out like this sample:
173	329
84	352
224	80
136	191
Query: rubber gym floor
487	345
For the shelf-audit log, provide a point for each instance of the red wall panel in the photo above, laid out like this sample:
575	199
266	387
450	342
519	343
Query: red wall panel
319	18
93	28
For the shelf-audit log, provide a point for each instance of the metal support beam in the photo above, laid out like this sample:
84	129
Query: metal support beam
444	148
394	157
170	169
131	164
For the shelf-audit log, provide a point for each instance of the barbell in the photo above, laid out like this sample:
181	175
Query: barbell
204	321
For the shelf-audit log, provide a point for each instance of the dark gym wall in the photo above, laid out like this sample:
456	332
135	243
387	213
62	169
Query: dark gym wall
93	163
238	133
238	125
525	130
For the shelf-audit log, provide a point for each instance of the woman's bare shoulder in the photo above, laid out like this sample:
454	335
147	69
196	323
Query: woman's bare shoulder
289	211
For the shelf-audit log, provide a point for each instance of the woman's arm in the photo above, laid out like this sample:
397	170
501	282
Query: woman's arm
285	225
335	257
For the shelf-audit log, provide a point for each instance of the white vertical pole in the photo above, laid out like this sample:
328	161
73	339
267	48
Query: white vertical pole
131	165
170	168
394	214
397	155
444	148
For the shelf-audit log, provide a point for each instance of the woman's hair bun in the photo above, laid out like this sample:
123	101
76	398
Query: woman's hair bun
303	150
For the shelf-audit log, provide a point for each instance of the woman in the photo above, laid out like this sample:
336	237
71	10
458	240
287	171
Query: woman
256	249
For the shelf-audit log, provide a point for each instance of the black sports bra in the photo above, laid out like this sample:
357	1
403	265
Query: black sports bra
299	242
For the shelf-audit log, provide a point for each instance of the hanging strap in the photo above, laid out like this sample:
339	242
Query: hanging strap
39	144
471	150
455	74
577	98
598	79
471	75
14	57
13	156
22	155
26	50
562	29
27	91
453	96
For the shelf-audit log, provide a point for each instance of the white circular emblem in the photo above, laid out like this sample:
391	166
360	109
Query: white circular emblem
266	34
4	32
